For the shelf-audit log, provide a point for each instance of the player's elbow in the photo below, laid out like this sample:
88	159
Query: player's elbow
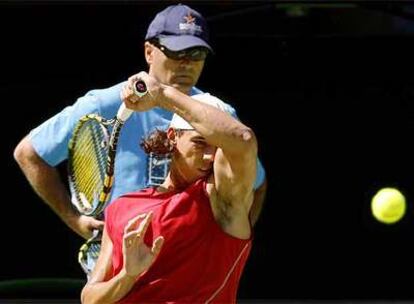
248	141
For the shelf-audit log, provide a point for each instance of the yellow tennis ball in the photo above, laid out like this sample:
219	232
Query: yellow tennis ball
388	205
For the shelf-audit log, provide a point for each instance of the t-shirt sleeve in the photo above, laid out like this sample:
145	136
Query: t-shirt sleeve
260	174
50	139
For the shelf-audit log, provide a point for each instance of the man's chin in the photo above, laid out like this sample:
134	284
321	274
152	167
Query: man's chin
184	88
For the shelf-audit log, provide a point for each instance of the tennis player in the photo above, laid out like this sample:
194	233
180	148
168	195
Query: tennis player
187	240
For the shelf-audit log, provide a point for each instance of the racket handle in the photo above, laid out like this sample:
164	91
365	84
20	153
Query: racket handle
140	88
123	113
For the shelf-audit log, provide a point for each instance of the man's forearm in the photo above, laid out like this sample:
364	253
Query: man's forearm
46	182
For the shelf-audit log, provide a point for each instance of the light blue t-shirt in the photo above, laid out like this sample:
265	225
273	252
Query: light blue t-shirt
134	169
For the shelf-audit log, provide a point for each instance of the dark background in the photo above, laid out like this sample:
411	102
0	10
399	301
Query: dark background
328	88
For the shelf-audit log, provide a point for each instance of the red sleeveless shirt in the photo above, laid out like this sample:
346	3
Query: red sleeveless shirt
198	263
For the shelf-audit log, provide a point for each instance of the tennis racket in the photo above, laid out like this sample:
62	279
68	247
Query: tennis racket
91	159
91	164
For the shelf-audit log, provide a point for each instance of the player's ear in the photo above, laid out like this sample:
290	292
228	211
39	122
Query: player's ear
172	136
149	52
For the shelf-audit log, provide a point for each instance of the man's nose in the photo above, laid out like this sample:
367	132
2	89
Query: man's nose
185	61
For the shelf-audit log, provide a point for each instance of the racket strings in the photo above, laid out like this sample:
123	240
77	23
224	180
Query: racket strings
89	174
88	161
88	254
94	250
85	159
89	249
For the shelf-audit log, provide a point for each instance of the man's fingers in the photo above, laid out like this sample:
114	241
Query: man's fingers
96	224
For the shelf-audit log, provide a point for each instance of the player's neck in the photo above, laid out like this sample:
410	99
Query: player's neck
173	182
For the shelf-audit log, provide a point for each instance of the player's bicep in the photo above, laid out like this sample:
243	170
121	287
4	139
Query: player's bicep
103	265
234	174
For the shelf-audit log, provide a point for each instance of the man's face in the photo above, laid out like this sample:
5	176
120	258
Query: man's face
193	155
182	74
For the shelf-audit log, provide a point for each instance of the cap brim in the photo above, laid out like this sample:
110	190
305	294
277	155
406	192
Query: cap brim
179	43
177	122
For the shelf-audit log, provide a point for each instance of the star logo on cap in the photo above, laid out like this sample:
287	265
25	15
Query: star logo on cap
189	19
189	26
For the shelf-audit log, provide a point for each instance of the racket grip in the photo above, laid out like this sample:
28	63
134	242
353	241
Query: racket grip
140	88
123	113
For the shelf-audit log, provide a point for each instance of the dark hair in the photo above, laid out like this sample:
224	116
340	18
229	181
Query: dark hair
157	142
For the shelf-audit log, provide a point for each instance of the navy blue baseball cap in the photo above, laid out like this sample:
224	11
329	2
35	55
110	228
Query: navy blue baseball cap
179	27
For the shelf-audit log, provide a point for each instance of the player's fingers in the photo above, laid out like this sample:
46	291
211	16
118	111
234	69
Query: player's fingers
156	246
142	228
134	78
133	98
127	91
124	93
133	222
129	239
128	94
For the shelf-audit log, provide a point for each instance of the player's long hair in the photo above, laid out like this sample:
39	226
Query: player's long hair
158	143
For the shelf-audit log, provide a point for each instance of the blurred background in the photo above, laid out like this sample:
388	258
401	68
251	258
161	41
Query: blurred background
328	88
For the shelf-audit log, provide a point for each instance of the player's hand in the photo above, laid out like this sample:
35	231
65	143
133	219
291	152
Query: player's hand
138	257
148	100
85	225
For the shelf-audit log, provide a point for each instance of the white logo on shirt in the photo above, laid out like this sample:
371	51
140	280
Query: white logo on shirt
158	167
